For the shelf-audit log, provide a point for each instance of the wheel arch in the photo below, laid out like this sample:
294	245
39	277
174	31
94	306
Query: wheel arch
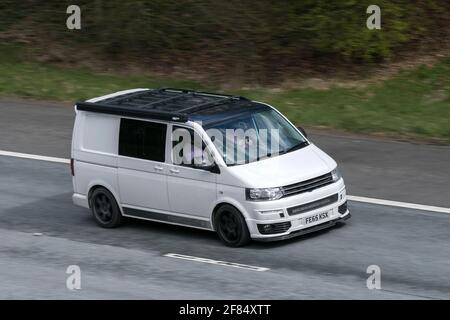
96	186
222	203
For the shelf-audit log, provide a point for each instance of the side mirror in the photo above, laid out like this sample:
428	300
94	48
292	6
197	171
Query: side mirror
214	168
303	131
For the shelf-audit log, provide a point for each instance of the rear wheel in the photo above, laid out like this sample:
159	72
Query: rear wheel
231	226
105	209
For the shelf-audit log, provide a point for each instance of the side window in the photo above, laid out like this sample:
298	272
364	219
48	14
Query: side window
188	149
142	139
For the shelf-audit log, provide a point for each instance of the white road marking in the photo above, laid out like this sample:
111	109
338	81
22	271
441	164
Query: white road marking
351	198
216	262
399	204
33	157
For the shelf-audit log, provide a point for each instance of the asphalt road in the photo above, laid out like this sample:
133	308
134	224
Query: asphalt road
412	248
42	232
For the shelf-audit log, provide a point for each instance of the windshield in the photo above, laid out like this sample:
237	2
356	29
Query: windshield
254	135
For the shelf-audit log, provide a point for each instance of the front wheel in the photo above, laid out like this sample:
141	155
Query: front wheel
104	208
231	226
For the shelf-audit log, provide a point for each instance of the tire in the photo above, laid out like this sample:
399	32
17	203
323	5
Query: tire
104	208
231	226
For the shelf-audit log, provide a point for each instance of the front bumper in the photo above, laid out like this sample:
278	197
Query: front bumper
301	232
287	216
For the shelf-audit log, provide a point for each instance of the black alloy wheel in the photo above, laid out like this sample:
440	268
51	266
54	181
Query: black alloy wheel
105	209
231	226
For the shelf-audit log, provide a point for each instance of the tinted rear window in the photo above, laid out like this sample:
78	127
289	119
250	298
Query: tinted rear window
142	139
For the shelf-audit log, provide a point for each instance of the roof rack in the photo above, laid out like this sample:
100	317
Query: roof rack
203	93
164	104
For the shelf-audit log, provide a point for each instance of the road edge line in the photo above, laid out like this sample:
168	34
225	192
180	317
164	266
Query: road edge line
33	157
399	204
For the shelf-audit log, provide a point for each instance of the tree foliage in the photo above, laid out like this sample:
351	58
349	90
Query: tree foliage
249	31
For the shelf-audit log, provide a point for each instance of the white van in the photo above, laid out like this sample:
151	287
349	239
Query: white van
203	160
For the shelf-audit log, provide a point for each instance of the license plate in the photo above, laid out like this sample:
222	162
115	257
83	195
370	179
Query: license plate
316	217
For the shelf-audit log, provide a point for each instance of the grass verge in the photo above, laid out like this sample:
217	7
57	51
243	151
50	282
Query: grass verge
414	104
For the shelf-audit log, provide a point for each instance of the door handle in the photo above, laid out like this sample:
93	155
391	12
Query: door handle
174	170
159	168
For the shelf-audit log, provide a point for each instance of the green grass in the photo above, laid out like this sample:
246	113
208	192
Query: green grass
48	82
414	104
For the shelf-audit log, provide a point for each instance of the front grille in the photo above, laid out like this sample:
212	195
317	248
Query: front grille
273	228
307	185
313	205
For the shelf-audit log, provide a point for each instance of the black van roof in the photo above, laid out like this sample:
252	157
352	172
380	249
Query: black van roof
163	104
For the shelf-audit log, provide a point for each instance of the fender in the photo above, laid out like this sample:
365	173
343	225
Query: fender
230	201
100	183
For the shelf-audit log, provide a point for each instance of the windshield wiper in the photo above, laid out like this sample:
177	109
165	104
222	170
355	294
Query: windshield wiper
297	146
293	148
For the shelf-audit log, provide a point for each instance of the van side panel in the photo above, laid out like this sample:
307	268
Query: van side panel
95	149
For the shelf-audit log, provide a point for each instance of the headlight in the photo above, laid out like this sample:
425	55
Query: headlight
264	194
336	175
